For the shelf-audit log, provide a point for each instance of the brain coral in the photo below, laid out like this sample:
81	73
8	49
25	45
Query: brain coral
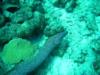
16	50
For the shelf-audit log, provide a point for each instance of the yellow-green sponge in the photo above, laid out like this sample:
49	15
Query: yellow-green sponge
16	50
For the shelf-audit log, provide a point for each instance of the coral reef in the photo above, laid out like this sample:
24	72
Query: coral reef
40	25
17	22
96	9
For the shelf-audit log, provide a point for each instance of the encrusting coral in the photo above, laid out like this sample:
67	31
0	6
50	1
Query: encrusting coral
17	50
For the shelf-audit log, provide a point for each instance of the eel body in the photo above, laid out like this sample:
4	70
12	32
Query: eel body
27	66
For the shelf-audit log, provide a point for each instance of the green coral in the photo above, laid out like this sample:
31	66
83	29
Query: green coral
17	50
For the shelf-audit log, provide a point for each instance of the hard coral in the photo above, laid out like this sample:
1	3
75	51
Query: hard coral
23	29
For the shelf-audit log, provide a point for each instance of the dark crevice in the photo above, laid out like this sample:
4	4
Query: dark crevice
12	9
1	1
1	10
7	20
